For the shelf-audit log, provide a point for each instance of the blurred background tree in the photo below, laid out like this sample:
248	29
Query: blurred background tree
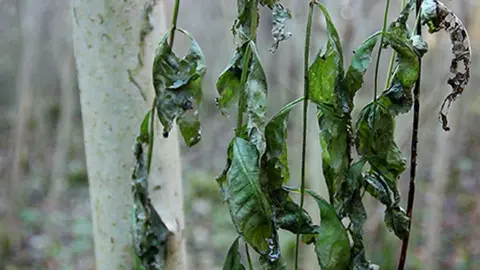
45	216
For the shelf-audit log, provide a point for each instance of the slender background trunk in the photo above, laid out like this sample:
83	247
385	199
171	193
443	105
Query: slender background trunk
107	43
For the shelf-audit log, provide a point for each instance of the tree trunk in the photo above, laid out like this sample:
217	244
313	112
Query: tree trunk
109	42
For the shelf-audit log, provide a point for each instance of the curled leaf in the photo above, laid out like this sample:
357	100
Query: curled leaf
150	234
437	16
280	15
375	142
178	87
232	261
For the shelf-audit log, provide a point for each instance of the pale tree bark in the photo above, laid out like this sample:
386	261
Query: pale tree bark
107	45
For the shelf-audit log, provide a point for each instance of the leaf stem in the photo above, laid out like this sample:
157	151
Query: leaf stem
249	259
377	65
388	81
151	134
306	94
174	22
414	149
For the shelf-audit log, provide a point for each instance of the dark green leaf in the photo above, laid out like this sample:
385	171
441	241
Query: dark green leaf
397	221
375	142
190	129
361	60
249	207
331	243
232	261
353	183
178	86
334	142
228	84
358	216
287	213
276	154
280	15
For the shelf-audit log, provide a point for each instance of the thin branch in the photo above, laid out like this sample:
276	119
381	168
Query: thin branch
414	150
306	95
174	22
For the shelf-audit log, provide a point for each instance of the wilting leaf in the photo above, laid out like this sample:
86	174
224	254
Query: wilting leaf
232	261
358	216
256	101
276	154
331	242
375	142
228	84
361	60
249	207
333	139
397	221
242	26
278	264
323	76
353	183
326	72
287	213
399	94
437	16
178	87
149	232
280	15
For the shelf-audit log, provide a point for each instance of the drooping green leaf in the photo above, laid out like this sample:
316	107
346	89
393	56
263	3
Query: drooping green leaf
256	101
331	242
287	213
334	142
358	216
178	87
280	15
276	154
353	183
232	261
150	234
249	206
228	84
323	76
375	142
397	221
278	264
398	97
361	60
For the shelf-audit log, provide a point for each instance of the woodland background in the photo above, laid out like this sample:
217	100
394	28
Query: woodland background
42	151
